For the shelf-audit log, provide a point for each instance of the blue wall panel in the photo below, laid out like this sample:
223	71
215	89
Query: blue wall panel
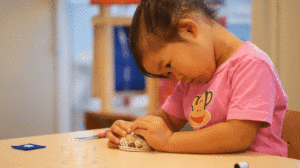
125	67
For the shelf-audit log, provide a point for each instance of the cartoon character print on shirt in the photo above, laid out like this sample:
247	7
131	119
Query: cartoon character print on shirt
199	116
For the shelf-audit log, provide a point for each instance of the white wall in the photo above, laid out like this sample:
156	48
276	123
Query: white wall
275	29
27	89
289	50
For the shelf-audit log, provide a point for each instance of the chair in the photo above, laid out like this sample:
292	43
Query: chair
291	133
95	120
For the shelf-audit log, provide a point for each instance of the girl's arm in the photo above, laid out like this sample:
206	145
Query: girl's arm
231	136
174	124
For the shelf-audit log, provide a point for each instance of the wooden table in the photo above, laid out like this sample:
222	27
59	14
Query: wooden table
62	150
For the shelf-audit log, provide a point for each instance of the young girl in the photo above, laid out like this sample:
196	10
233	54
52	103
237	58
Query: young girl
228	90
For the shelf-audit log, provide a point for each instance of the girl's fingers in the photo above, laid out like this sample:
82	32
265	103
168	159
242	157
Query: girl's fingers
112	144
124	126
140	125
112	137
128	126
141	132
119	128
147	118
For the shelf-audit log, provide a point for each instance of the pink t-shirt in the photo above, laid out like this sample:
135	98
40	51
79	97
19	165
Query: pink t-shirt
245	87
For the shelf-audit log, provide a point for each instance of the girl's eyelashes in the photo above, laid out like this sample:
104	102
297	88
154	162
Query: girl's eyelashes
168	75
168	65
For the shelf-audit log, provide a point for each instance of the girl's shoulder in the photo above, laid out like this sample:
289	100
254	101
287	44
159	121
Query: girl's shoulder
249	53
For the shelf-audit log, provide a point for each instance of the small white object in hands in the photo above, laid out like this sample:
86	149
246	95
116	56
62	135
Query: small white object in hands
134	142
28	146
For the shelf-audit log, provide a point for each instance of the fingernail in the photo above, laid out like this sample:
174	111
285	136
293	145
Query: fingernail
128	130
123	133
117	141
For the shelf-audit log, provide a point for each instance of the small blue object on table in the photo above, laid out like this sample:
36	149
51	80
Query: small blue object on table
28	146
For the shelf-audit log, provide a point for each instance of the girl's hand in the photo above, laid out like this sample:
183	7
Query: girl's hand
154	130
120	128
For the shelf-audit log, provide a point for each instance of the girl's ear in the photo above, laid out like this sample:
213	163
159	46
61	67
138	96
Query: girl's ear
187	27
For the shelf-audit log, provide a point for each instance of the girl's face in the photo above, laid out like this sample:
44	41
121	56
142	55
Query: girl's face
192	61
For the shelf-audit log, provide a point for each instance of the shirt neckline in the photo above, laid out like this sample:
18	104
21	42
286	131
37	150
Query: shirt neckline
222	66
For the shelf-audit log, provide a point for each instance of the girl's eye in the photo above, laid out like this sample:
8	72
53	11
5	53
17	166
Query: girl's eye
168	65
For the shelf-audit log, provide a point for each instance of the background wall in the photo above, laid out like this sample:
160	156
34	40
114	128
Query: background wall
275	29
26	68
289	50
34	84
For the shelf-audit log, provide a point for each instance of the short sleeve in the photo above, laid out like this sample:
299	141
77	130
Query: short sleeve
174	103
253	92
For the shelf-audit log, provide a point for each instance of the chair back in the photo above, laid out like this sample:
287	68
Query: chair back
97	120
291	133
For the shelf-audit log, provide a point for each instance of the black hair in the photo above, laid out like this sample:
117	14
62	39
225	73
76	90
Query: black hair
160	18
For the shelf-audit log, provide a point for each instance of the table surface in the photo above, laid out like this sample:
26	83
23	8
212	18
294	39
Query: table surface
63	150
